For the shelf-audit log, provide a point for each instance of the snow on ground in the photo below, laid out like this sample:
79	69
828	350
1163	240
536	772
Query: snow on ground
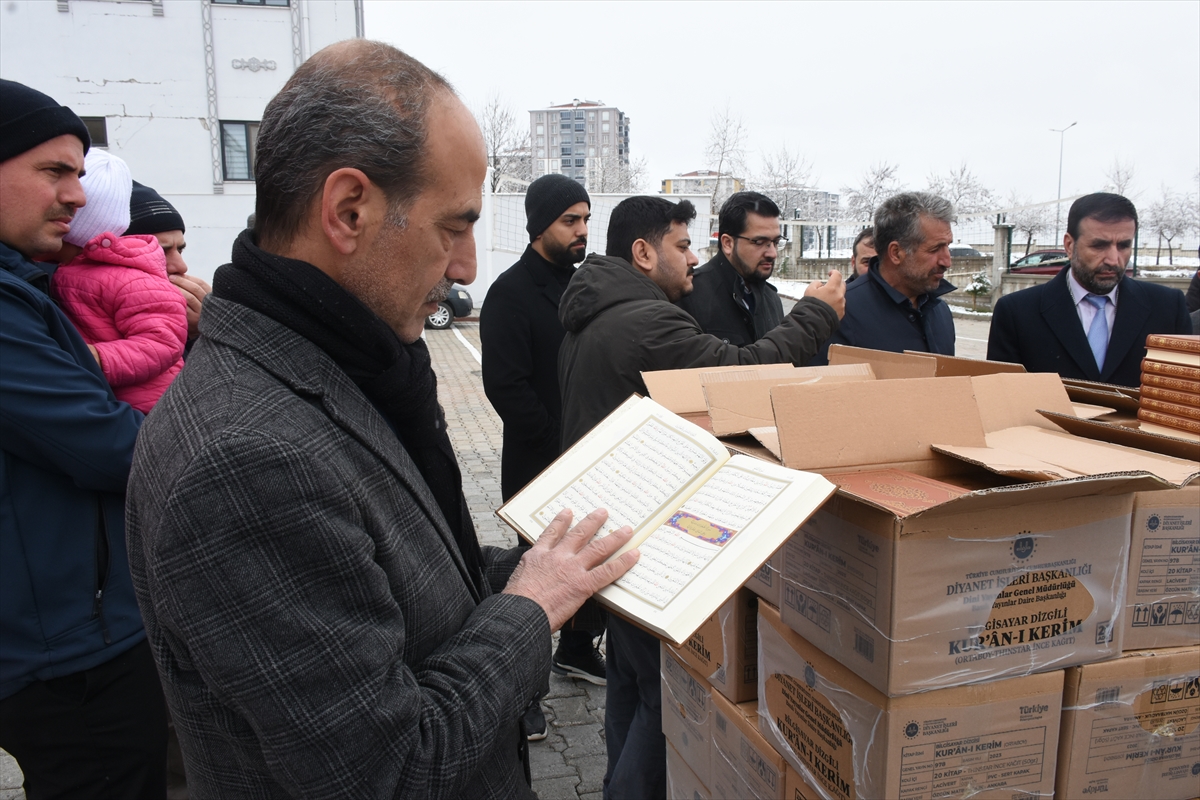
793	289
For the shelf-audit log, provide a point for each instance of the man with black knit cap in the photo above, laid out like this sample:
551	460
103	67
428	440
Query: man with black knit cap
150	213
81	708
520	333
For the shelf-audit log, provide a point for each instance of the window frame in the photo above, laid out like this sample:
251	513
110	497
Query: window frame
251	145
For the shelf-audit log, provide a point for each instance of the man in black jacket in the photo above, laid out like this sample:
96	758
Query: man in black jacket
620	323
897	305
520	334
520	331
731	298
1089	321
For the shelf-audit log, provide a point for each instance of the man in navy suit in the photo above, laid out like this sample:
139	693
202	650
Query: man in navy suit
1090	321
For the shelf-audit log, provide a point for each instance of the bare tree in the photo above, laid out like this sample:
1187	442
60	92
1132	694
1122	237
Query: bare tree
1120	178
785	179
725	151
1169	217
1026	220
878	183
508	144
610	175
963	189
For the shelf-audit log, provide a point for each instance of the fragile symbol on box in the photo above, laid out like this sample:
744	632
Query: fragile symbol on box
1159	693
811	610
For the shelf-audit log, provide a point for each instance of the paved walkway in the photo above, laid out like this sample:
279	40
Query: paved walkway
570	762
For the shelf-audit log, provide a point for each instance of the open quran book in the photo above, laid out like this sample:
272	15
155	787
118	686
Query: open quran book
703	520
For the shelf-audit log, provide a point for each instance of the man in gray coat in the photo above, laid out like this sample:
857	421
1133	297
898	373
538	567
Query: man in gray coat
620	322
323	618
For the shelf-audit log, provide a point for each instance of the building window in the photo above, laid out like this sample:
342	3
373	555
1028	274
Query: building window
238	143
97	128
541	129
566	170
578	115
606	138
592	152
579	138
591	115
541	152
564	115
251	2
578	126
541	117
604	116
579	162
566	151
604	127
553	140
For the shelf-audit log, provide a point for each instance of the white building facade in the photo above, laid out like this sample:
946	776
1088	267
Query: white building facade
174	87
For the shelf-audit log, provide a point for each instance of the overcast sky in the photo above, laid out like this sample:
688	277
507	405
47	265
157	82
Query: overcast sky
926	86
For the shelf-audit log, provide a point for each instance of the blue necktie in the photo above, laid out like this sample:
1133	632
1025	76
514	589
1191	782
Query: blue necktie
1098	332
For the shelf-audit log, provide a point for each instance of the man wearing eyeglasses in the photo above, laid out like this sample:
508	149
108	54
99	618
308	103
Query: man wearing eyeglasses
731	298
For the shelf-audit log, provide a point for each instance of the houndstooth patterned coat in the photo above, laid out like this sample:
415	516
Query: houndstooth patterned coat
303	595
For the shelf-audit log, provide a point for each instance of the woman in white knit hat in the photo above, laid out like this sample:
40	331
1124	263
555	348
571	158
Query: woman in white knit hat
115	289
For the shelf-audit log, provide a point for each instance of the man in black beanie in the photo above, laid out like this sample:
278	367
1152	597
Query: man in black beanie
81	707
520	333
150	213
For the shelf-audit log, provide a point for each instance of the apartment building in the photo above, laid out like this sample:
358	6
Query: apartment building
585	140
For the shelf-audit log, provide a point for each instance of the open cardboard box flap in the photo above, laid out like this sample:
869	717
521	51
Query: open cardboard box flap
1031	451
736	406
1120	398
680	391
886	365
896	421
1126	435
953	366
988	420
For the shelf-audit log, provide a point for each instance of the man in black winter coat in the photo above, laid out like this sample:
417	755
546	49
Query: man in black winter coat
520	331
520	334
730	297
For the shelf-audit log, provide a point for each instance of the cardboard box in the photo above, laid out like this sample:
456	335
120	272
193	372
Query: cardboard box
682	783
1131	727
1162	606
766	582
990	740
953	573
725	649
739	401
796	788
739	749
687	714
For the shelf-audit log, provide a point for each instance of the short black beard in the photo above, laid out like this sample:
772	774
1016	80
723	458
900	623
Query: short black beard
564	257
1087	281
739	266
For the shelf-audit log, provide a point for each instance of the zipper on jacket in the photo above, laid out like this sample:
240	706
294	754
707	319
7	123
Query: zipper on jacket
102	558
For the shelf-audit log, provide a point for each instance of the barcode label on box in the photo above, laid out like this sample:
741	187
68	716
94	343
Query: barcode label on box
864	645
1108	695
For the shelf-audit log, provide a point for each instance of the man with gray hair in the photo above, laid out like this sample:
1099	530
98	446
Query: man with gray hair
323	617
897	304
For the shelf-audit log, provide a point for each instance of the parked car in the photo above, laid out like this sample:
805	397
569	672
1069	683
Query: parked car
962	251
457	304
1041	262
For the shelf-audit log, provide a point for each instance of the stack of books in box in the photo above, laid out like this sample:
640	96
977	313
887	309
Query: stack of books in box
1170	396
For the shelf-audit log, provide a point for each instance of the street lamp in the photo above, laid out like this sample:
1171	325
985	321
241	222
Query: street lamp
1062	135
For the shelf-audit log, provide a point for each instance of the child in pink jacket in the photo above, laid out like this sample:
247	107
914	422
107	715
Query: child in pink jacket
116	289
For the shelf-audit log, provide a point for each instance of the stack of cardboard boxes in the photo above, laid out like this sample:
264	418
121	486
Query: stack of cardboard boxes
990	607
